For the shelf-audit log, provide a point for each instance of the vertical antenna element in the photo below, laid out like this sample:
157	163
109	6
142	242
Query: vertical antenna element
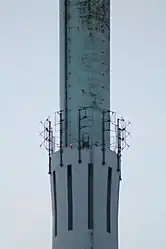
122	135
106	120
49	146
48	140
84	121
103	137
61	137
119	144
119	148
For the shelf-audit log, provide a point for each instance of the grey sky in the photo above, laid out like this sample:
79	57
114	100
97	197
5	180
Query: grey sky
29	92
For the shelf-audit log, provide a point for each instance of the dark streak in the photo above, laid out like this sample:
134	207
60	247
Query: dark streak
95	10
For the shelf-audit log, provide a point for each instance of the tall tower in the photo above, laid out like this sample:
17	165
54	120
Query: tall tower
84	191
84	172
84	65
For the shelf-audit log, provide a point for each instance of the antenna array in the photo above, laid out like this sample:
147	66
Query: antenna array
53	133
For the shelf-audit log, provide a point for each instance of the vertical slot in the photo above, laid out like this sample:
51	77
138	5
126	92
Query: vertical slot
90	196
55	204
70	197
109	183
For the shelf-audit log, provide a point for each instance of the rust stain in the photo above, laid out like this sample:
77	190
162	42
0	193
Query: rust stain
95	12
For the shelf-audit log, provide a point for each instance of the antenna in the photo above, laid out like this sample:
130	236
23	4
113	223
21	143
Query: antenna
122	137
108	118
84	140
48	140
60	129
61	136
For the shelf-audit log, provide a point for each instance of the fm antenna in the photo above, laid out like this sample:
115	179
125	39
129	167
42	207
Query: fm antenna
48	140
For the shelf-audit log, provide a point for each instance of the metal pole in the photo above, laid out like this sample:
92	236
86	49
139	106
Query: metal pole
103	137
49	147
61	132
119	147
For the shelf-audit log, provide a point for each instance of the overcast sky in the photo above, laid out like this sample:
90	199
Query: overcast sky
29	92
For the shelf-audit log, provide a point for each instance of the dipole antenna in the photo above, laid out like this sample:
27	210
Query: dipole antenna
83	137
61	137
107	123
122	143
119	145
48	140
